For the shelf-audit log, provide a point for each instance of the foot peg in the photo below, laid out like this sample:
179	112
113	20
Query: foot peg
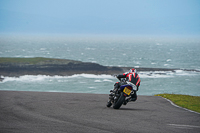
117	95
111	94
133	99
111	98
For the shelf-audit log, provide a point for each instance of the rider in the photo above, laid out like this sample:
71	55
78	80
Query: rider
131	78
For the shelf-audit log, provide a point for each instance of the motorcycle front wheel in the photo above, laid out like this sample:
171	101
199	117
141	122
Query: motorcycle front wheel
119	102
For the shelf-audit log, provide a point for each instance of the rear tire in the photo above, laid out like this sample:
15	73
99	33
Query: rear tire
119	102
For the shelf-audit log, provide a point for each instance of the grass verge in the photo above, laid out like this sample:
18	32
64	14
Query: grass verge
35	60
185	101
22	60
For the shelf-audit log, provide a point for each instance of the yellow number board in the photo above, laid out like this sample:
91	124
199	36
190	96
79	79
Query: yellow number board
127	91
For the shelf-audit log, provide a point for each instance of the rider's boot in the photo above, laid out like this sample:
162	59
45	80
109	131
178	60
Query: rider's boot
126	101
133	97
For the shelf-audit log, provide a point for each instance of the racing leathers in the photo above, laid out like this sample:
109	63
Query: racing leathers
131	78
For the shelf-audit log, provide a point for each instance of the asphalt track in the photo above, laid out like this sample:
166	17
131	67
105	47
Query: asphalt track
47	112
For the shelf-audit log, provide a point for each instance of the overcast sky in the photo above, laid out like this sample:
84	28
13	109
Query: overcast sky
124	17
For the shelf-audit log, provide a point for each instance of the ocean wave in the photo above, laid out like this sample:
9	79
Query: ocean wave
156	74
168	60
97	81
98	78
166	74
186	73
107	80
102	76
35	78
28	78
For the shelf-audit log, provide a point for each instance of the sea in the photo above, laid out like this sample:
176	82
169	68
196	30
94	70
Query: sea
177	53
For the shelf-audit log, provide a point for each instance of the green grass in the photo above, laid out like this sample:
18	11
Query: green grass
35	60
185	101
22	60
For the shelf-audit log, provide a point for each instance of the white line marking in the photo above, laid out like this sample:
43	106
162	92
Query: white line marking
184	126
180	107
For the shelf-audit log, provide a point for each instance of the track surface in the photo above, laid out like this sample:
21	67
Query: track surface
46	112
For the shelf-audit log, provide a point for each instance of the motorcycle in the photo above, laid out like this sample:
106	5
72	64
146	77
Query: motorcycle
118	96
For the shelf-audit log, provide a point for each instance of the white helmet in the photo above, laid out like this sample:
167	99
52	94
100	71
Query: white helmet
132	70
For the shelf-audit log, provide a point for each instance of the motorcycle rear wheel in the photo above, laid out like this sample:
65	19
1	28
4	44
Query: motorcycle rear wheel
119	102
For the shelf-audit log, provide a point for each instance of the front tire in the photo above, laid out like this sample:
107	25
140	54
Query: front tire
120	101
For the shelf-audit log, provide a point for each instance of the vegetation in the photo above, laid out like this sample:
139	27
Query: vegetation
185	101
36	60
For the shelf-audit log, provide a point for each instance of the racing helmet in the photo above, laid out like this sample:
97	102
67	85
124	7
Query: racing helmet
132	70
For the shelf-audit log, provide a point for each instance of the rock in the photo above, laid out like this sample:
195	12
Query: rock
48	66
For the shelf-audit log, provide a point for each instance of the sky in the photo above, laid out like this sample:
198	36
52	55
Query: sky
123	17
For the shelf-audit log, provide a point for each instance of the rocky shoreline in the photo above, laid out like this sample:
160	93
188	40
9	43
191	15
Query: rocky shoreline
62	67
53	69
